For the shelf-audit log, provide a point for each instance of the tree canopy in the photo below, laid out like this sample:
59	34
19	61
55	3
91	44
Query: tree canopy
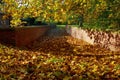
64	11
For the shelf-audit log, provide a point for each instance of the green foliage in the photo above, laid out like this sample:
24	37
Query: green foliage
105	13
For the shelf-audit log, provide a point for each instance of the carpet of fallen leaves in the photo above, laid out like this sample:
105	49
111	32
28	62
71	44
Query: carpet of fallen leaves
59	58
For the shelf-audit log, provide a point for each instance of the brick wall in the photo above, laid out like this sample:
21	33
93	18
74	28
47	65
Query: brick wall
21	36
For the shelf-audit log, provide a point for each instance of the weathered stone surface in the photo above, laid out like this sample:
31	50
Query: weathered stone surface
55	32
80	34
108	40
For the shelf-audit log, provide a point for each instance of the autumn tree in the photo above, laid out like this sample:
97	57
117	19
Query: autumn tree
63	11
19	9
99	13
113	11
46	10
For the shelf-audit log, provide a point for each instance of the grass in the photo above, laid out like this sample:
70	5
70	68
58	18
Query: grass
63	26
94	27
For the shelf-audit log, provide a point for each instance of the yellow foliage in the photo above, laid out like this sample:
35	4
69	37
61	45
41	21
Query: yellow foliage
56	9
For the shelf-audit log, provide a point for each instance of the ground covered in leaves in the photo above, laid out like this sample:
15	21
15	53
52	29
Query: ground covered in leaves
59	58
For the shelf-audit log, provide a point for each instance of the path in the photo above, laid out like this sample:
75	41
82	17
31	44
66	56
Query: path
57	41
61	57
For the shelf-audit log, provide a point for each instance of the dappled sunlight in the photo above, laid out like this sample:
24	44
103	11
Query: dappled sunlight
80	43
68	46
62	57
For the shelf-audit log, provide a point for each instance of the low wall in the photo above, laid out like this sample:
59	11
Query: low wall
22	36
108	40
7	36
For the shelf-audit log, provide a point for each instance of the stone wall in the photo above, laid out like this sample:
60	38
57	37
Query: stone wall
108	40
56	32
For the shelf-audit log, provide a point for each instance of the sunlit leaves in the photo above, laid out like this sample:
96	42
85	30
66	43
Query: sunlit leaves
60	11
117	67
58	58
20	9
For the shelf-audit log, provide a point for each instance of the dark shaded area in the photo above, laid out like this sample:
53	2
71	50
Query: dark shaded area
4	23
81	20
7	36
32	21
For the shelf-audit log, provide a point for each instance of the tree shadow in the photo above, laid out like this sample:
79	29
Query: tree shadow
39	68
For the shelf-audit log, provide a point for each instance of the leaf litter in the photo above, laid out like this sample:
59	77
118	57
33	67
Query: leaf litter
59	58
